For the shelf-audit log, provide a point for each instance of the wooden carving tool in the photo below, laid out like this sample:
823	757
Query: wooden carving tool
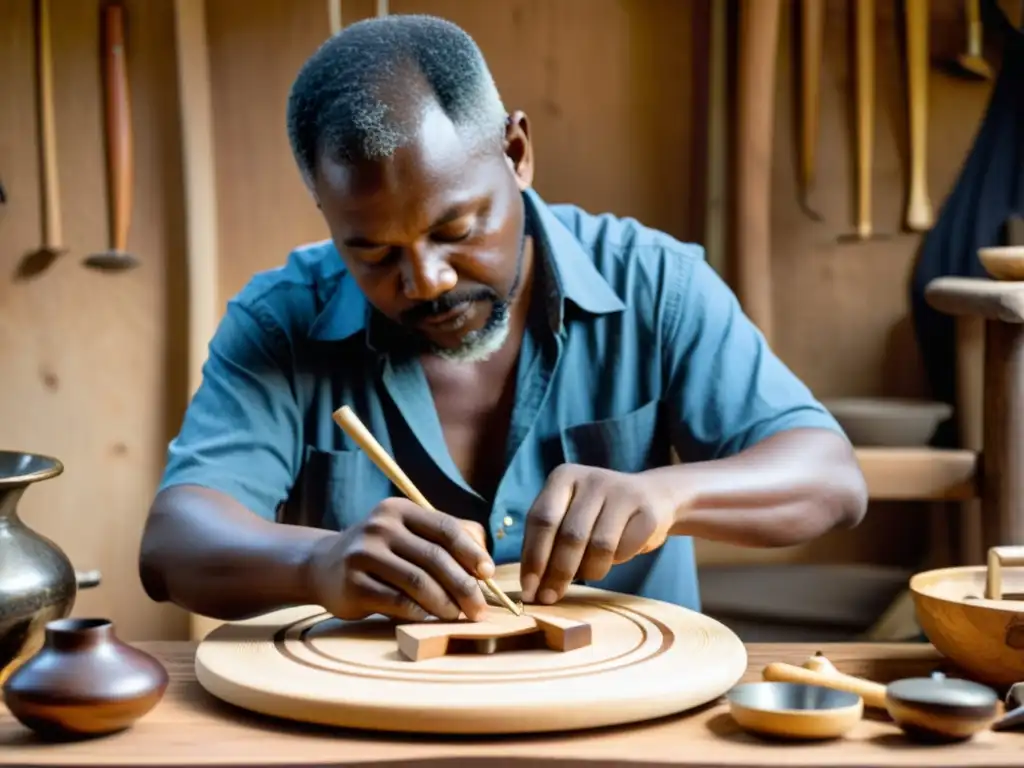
118	127
971	62
919	206
864	26
49	204
812	29
346	418
431	639
755	106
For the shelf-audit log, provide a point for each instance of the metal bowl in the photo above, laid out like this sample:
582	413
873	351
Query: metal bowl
794	710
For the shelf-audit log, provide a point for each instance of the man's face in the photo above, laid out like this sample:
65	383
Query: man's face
434	234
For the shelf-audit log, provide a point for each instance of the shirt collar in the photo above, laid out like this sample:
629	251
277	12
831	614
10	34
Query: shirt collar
571	274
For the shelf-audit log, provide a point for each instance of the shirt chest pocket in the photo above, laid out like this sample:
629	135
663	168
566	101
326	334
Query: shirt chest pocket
336	490
634	442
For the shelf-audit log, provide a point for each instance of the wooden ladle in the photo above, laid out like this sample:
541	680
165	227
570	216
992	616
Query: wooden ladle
118	125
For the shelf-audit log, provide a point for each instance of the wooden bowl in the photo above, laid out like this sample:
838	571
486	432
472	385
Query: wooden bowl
794	710
1004	262
888	421
974	615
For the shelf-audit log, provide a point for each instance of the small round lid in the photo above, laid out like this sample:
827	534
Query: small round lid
939	691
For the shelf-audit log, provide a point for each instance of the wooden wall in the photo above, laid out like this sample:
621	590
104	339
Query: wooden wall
92	365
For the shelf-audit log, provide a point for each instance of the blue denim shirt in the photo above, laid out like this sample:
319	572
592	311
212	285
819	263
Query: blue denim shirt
645	350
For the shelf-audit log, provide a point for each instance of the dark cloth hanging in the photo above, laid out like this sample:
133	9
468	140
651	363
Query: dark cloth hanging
989	191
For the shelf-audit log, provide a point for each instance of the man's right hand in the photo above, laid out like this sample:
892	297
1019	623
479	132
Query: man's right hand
405	562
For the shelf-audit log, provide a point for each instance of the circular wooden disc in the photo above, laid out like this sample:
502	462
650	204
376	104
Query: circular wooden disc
648	659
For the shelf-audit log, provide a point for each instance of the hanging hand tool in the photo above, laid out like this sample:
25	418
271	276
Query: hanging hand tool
52	246
972	61
812	29
118	125
919	207
759	22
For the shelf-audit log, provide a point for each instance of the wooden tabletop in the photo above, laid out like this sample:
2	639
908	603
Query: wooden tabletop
190	728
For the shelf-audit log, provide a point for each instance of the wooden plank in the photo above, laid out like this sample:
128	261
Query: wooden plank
991	299
200	194
921	474
222	736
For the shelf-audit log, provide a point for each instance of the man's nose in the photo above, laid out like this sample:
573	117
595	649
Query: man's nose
426	276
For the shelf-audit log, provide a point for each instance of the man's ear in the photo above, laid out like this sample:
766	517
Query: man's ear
519	149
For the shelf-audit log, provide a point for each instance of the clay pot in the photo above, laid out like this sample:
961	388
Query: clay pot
37	582
84	682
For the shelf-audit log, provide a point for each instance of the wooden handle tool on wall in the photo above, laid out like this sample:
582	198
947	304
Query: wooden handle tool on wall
971	62
758	48
118	126
865	32
812	30
919	207
52	244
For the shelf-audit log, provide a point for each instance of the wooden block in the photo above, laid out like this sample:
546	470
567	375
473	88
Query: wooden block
500	631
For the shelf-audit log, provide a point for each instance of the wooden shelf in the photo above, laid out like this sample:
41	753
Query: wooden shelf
919	474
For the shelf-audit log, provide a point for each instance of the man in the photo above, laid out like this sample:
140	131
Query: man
529	366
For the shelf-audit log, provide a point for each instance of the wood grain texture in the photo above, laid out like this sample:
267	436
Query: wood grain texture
626	146
646	659
92	363
224	736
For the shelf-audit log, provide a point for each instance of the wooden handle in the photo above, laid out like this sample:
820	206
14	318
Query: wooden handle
812	29
919	207
872	693
334	16
972	10
998	558
865	53
118	126
346	418
53	237
758	47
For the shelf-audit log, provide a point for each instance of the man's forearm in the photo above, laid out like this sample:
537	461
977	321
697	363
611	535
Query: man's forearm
207	553
786	490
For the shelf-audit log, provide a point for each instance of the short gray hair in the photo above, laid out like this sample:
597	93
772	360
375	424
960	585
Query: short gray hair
347	99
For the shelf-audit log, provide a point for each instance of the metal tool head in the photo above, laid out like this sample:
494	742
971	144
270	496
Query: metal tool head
111	261
779	697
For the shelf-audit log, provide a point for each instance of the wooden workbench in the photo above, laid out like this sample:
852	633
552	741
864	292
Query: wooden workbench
190	728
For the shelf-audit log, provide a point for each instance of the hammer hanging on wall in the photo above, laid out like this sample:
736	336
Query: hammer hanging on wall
118	125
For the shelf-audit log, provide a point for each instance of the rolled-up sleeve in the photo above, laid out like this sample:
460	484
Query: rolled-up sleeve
725	388
241	433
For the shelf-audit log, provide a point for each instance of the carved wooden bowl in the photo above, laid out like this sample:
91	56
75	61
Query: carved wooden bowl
974	615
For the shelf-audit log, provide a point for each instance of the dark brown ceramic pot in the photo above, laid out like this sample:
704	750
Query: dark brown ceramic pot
84	682
37	582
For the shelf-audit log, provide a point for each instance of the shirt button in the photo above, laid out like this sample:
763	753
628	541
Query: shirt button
508	522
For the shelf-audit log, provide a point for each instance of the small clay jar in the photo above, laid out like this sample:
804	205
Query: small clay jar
84	682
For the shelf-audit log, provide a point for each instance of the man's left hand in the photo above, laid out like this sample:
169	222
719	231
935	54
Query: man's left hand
586	520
